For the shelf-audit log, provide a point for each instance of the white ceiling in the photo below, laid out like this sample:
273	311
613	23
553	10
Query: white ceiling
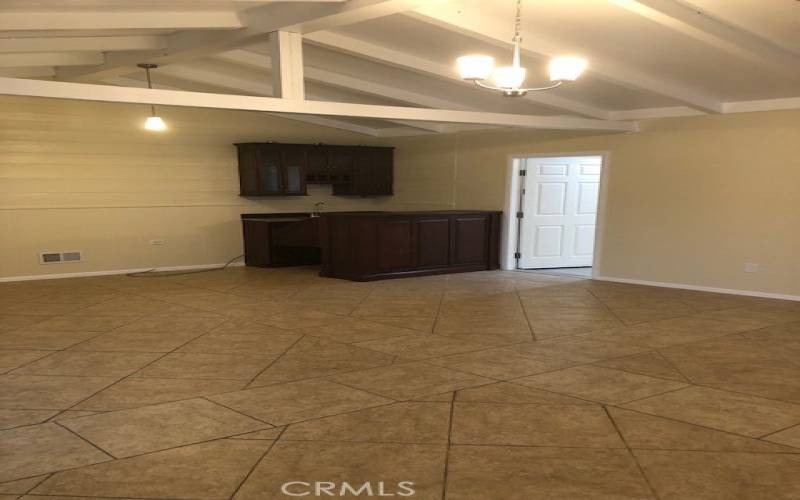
648	58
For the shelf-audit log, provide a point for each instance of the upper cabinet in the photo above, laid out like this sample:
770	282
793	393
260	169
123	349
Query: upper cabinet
273	169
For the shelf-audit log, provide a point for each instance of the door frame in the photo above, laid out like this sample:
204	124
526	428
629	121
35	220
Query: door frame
511	206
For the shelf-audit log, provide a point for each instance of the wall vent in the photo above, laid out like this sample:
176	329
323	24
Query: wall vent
71	256
60	257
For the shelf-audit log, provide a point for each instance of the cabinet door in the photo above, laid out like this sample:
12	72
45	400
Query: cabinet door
248	171
470	239
270	181
363	181
340	168
383	172
295	164
318	165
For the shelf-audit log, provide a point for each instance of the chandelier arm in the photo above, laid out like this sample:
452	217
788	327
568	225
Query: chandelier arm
480	83
557	84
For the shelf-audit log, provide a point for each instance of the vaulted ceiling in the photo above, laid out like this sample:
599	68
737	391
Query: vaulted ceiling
647	58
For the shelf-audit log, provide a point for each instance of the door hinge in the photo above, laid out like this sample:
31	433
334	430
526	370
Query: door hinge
517	255
523	173
520	215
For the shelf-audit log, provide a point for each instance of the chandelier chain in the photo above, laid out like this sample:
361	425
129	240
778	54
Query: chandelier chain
518	22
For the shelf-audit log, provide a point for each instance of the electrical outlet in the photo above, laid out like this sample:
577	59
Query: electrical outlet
157	242
751	267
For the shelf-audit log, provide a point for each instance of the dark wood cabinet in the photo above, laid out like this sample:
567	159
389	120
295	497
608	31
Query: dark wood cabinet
265	170
364	246
274	169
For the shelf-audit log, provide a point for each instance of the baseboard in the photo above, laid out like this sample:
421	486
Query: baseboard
114	272
683	286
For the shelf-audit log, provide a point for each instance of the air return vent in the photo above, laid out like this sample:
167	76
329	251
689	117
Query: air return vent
60	257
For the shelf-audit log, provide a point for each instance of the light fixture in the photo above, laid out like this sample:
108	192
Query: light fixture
509	79
153	122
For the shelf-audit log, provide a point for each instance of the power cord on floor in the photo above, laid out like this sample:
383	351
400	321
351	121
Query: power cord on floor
150	273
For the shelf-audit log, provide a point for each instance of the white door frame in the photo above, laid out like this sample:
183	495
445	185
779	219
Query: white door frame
510	227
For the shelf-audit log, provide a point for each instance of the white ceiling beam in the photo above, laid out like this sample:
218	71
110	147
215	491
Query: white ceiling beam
690	21
50	59
654	113
94	20
233	83
286	51
258	22
481	27
261	62
80	91
385	55
763	105
82	44
31	72
316	120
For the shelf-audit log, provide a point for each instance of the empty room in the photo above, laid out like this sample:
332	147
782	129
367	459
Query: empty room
426	249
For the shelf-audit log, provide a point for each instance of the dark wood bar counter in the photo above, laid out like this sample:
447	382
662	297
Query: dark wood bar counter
365	246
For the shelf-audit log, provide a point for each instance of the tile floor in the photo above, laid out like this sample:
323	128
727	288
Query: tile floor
481	386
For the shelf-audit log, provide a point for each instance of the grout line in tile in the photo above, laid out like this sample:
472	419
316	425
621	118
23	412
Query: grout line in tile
239	412
630	452
256	464
86	440
796	424
255	377
449	444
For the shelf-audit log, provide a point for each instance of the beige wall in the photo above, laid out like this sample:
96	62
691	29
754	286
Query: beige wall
690	200
86	176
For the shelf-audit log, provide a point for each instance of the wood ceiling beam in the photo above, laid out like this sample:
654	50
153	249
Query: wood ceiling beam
89	20
82	44
480	27
384	55
80	91
257	22
690	21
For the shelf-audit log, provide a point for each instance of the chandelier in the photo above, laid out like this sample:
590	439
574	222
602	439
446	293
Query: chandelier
509	79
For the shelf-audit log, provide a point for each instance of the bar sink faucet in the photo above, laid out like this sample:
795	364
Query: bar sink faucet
319	207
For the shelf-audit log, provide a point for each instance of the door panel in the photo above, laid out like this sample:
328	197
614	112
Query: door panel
559	207
434	242
470	240
394	244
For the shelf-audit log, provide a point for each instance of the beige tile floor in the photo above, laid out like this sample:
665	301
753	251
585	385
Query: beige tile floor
480	386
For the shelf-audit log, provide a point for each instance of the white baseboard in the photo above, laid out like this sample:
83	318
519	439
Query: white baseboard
114	272
683	286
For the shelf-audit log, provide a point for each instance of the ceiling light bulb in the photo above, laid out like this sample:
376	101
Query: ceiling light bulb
509	77
567	69
155	123
475	67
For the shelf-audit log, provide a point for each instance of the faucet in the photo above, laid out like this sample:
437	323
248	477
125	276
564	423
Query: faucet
319	207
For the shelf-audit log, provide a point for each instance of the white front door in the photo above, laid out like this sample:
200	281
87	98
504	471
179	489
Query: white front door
559	211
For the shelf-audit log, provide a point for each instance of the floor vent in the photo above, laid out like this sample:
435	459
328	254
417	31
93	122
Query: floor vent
59	257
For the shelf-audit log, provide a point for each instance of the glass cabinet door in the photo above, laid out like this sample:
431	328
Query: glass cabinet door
269	173
294	171
293	181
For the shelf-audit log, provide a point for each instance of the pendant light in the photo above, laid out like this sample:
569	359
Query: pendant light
509	79
153	122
